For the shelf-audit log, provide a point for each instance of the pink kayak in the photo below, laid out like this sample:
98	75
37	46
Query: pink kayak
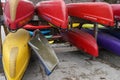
94	11
53	11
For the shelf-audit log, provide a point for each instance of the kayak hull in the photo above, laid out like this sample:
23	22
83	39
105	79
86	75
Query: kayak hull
53	11
44	52
15	55
113	32
92	11
81	40
116	11
108	42
17	13
32	27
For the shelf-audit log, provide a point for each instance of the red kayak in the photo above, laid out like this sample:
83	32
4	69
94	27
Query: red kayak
81	40
99	12
32	27
116	11
53	11
17	13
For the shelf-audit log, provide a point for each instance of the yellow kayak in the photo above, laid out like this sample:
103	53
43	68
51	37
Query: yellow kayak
91	26
74	25
16	54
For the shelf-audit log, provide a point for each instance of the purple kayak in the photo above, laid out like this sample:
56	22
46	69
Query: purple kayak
107	41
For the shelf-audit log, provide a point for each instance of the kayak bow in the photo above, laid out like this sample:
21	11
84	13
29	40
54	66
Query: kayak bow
16	54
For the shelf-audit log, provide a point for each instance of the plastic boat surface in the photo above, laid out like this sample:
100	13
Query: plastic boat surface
45	53
116	11
108	42
53	11
16	54
81	40
94	11
114	32
17	13
32	27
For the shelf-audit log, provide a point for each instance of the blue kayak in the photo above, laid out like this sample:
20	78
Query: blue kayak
44	32
107	41
114	32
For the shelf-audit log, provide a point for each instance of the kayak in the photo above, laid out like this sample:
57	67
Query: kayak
107	41
91	26
53	11
44	52
74	25
17	13
99	12
44	32
116	11
81	40
114	32
15	57
46	36
32	27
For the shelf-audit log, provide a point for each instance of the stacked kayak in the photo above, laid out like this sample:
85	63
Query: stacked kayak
114	32
32	27
17	13
81	40
95	12
53	11
107	41
116	11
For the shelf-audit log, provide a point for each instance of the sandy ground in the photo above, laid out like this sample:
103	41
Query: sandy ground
75	65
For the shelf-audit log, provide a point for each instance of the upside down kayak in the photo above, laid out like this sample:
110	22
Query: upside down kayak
17	13
53	11
92	11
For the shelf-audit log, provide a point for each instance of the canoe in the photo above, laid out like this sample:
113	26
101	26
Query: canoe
99	12
107	41
15	57
116	11
44	52
32	27
53	11
17	13
81	40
